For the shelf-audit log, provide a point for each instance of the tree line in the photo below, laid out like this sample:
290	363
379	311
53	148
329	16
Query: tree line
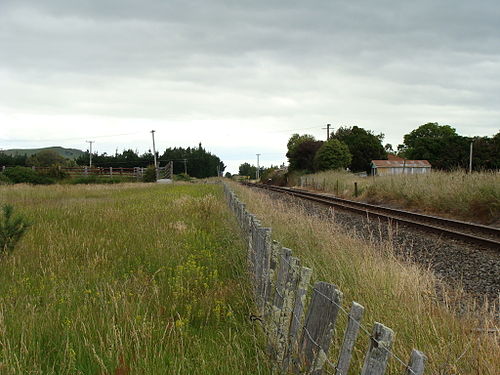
196	161
354	148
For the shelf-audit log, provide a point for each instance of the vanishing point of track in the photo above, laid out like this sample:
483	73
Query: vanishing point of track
469	232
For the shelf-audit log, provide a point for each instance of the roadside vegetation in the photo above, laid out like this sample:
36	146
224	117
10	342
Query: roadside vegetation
126	279
473	197
403	296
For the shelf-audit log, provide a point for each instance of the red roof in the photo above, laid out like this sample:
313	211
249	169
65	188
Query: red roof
401	163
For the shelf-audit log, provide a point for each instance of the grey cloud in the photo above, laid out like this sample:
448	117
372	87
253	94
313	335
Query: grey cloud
299	60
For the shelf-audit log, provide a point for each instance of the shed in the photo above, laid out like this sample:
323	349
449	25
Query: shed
403	166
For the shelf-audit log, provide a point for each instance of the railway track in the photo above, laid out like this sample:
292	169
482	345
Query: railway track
469	232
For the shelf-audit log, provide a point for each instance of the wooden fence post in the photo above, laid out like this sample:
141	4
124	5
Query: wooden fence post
416	364
289	293
319	327
273	326
350	336
379	350
297	316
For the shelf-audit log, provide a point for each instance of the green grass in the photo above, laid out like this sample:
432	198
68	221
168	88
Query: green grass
126	279
401	295
474	197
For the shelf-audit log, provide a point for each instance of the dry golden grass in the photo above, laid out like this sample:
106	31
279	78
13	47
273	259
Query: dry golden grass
403	296
474	197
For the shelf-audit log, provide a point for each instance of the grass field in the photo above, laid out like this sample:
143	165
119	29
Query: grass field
410	300
126	279
474	197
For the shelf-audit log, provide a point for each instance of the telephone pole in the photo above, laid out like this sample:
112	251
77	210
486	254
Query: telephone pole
154	149
90	152
327	132
470	157
257	174
185	166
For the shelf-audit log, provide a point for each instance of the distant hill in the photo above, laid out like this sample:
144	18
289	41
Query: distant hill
69	153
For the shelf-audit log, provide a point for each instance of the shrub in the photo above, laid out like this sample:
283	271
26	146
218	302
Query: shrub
55	172
4	180
182	177
27	175
12	228
149	174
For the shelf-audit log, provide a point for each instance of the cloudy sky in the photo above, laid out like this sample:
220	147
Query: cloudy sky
242	76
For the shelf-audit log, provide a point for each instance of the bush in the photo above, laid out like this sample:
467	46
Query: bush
27	175
55	172
4	180
149	174
12	228
182	177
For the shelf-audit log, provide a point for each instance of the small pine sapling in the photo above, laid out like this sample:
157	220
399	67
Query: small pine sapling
12	228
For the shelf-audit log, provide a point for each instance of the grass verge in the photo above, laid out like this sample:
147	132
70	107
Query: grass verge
126	279
403	296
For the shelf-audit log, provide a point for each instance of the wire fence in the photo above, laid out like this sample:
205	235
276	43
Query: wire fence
299	338
87	171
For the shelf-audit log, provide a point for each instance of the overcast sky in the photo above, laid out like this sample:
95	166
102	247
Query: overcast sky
242	76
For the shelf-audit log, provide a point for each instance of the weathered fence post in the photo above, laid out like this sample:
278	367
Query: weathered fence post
417	363
355	189
350	336
289	293
284	259
379	350
319	327
111	171
297	316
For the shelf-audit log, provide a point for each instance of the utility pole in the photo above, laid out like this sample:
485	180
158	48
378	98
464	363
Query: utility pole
154	149
185	166
90	152
257	174
470	157
327	132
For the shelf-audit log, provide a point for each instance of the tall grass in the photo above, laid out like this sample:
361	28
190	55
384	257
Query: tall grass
457	194
403	296
126	279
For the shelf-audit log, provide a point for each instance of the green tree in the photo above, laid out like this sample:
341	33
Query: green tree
46	158
363	145
246	169
439	144
333	154
298	154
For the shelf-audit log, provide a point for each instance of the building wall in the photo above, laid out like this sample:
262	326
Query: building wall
399	170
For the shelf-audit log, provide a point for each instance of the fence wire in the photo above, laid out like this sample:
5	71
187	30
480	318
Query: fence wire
253	230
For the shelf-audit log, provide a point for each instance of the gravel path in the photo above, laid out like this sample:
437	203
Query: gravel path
476	269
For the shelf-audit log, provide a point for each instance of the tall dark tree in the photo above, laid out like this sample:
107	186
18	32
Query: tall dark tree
439	144
301	151
12	160
486	152
363	145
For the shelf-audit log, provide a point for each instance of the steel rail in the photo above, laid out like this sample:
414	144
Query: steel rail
469	232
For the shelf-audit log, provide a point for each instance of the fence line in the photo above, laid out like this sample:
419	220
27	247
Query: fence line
299	339
85	171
